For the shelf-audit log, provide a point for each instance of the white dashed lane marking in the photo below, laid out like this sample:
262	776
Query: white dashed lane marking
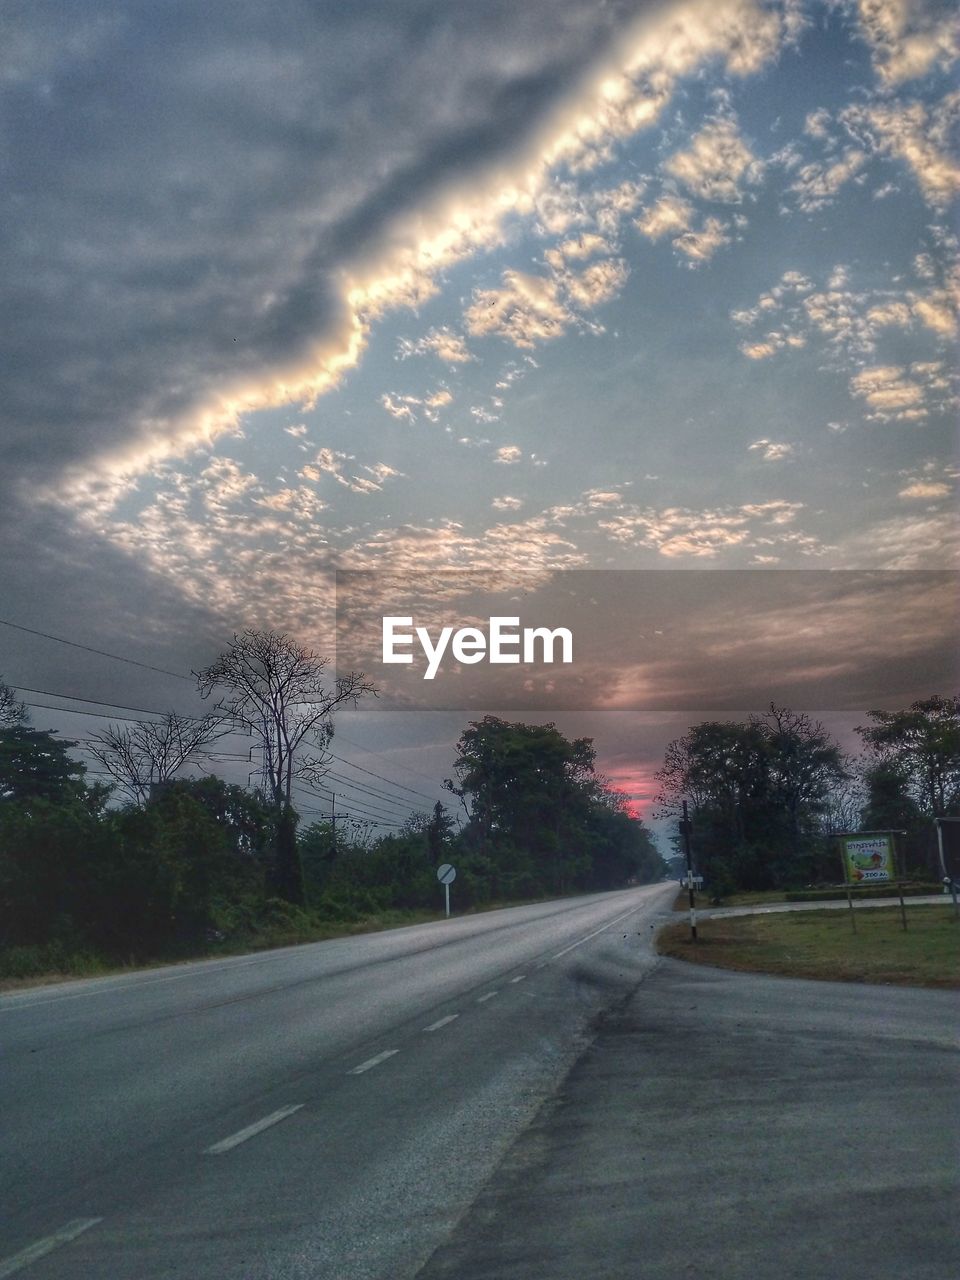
373	1062
519	978
488	996
251	1130
42	1247
442	1022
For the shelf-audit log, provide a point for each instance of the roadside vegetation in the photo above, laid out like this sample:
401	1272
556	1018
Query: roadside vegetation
767	794
159	867
822	944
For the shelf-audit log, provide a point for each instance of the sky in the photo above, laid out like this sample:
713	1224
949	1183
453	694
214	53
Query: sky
424	288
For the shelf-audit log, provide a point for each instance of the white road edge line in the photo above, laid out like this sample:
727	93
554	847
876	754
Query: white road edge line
488	996
258	1126
42	1247
373	1062
442	1022
632	911
519	978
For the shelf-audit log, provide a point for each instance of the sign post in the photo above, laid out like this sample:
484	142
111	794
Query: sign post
446	874
686	826
948	846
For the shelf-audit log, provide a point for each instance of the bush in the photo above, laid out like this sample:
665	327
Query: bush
51	957
873	891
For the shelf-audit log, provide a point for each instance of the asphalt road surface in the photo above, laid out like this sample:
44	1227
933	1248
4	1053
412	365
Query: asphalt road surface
323	1111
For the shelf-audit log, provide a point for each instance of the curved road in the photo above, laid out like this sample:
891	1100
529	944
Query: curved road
321	1111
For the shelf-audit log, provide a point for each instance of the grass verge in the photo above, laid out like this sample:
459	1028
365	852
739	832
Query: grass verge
40	966
821	944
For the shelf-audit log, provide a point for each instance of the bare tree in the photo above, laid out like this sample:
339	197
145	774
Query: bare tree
12	711
278	689
139	758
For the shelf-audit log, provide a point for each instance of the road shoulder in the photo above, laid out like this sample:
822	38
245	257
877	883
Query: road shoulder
729	1126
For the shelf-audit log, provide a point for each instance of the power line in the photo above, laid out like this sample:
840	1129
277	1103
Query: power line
399	785
399	763
359	815
363	805
359	786
134	662
99	702
88	649
149	711
82	711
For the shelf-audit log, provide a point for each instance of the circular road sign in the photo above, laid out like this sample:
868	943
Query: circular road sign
446	874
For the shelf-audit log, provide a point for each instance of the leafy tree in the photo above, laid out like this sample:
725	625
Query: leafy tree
923	743
759	792
48	851
890	806
540	819
34	763
246	820
439	829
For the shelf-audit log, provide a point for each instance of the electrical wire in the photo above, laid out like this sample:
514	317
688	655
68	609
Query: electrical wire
88	649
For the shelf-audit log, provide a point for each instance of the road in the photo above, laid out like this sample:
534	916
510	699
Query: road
320	1111
734	1126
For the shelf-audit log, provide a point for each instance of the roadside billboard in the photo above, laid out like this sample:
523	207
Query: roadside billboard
868	859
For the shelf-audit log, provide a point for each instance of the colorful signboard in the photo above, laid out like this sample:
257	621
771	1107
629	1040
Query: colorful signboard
868	859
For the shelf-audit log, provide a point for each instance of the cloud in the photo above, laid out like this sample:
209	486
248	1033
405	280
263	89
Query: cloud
400	407
586	245
926	490
596	284
903	542
903	394
506	503
715	163
678	532
700	246
668	216
816	185
527	309
908	39
917	135
772	450
193	285
508	453
443	343
852	322
406	407
673	216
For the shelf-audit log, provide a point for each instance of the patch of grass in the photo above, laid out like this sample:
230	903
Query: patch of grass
821	944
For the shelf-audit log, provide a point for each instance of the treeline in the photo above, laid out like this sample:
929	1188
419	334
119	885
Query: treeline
766	793
186	865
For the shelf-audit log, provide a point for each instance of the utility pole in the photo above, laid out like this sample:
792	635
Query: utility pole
333	821
686	826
